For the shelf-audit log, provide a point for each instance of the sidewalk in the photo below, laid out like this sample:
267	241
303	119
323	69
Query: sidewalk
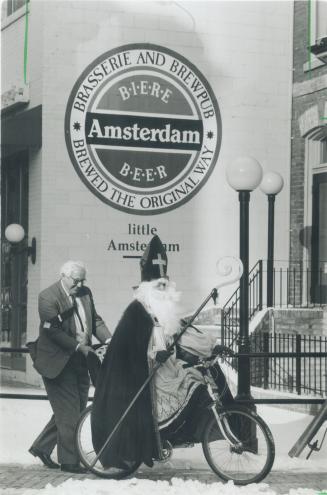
15	478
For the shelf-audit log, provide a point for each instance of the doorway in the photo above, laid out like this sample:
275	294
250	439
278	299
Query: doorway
14	261
319	239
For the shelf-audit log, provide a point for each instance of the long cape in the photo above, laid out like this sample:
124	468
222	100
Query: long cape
123	372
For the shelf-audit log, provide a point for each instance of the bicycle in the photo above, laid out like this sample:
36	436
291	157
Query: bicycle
236	442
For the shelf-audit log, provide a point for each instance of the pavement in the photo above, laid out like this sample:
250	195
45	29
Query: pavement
15	479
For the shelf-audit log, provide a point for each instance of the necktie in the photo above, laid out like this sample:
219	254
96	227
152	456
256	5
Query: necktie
75	306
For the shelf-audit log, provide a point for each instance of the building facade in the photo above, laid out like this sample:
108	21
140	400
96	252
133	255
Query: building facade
308	172
118	121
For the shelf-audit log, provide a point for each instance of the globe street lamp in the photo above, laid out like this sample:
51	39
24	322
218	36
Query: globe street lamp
244	174
14	234
272	183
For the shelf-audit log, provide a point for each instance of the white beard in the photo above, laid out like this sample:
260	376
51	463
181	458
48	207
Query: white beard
161	303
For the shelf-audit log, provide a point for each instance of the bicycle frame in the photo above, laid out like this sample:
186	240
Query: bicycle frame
222	423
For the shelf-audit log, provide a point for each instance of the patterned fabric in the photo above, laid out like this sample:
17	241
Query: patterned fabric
174	387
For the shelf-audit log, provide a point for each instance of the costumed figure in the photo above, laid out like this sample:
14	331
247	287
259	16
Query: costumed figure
169	407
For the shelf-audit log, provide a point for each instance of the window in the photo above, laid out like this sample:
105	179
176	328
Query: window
317	17
13	5
315	218
14	264
317	12
12	10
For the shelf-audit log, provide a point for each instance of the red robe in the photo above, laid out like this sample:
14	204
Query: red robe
123	372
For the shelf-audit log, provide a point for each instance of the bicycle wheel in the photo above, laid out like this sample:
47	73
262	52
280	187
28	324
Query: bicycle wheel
248	454
87	455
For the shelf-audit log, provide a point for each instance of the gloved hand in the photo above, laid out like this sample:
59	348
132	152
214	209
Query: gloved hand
84	349
162	356
222	350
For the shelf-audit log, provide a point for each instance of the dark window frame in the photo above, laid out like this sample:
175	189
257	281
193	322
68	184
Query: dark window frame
14	5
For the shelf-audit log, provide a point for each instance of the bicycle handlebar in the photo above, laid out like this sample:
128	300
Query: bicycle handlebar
223	351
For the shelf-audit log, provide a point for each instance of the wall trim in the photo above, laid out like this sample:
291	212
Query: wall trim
306	87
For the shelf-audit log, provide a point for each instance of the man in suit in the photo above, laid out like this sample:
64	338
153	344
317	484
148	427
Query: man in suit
68	320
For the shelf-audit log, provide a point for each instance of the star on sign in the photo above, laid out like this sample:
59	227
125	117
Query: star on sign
77	126
210	135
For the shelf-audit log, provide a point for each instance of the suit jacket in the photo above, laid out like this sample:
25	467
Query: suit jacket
56	343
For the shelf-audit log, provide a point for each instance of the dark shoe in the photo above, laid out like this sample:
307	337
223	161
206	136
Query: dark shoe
73	468
45	458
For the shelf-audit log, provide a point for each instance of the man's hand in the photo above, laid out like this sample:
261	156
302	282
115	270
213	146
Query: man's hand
84	349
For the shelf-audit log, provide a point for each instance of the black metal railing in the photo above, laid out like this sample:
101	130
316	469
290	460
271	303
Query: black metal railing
298	285
253	355
294	286
230	310
307	375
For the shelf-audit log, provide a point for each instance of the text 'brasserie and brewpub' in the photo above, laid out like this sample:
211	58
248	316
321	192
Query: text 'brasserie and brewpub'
161	155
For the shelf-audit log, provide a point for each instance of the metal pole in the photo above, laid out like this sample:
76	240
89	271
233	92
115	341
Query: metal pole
243	391
310	431
270	259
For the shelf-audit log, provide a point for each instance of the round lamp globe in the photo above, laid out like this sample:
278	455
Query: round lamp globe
244	173
272	183
14	233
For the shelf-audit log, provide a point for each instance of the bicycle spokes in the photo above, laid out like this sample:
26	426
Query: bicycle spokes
239	446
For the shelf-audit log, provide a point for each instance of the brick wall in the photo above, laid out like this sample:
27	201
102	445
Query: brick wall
305	97
295	321
294	329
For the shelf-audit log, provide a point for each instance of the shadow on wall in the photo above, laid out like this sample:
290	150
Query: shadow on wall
305	237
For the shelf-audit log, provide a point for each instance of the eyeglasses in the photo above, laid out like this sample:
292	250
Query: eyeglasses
77	281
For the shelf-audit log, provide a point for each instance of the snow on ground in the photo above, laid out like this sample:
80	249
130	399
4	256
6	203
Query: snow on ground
147	487
22	420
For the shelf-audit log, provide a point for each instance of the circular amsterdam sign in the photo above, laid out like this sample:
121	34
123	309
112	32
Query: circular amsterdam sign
143	128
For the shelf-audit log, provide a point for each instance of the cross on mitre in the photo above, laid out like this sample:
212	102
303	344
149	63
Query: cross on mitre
161	262
154	261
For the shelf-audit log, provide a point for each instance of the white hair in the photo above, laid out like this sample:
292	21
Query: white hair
72	267
162	303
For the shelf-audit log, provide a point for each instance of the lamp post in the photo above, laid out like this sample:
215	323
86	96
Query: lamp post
14	234
272	183
244	174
